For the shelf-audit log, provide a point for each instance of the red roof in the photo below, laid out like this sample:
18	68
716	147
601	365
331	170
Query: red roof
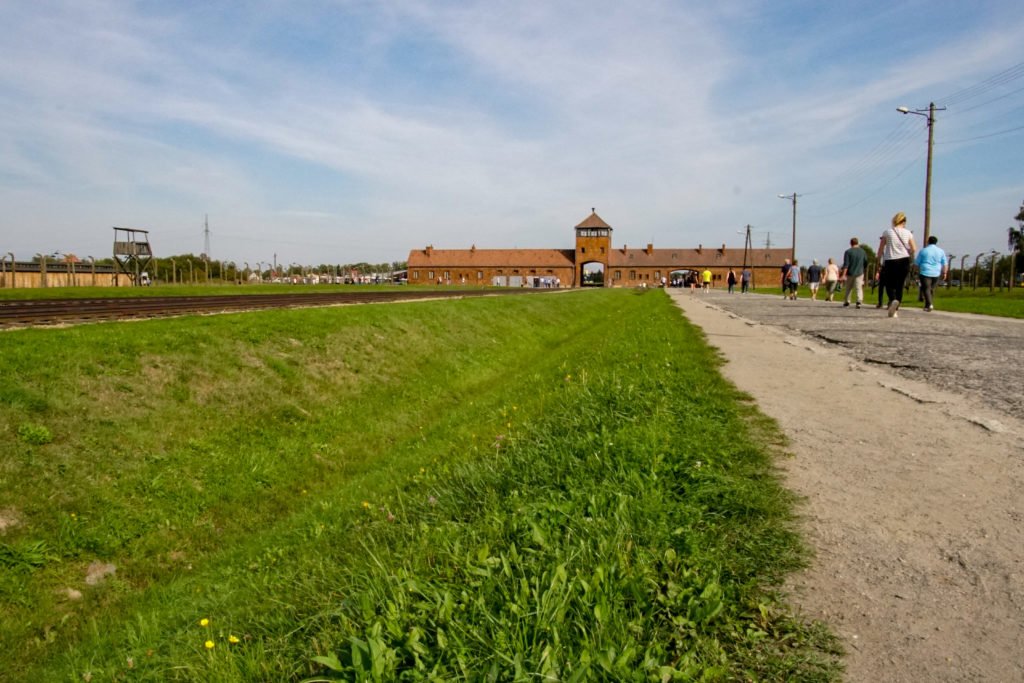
693	258
593	221
491	258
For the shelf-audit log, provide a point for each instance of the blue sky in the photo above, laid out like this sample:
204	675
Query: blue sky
337	131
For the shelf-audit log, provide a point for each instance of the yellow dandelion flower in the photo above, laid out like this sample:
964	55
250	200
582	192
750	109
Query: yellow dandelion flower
204	622
209	645
233	639
366	504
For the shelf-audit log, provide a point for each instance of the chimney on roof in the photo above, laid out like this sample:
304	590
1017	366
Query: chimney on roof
723	248
624	248
649	249
429	249
700	248
472	249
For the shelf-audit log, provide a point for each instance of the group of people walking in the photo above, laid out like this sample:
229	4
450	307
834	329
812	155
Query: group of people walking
896	251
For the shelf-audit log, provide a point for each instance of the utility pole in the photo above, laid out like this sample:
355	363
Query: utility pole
928	176
929	114
792	249
206	236
746	248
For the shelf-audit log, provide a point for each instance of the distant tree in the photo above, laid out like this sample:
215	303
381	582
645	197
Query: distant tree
1016	235
1015	240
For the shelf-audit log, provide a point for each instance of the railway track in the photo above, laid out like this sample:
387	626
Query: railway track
38	312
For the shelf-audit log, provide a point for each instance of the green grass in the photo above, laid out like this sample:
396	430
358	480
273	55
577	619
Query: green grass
547	488
1008	303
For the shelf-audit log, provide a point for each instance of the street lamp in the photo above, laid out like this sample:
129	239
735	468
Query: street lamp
963	261
792	252
929	114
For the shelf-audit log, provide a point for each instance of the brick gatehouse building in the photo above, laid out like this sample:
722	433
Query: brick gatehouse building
594	253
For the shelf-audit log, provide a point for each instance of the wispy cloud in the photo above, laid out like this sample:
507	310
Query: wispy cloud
378	127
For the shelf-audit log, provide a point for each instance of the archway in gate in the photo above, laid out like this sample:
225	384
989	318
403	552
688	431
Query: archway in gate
680	277
592	274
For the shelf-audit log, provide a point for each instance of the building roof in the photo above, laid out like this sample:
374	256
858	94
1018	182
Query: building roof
593	221
491	258
694	258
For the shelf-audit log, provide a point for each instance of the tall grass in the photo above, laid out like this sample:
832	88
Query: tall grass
553	488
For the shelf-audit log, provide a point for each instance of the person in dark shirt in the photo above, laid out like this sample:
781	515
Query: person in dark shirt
814	278
855	260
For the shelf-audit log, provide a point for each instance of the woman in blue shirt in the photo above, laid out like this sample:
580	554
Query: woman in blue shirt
931	265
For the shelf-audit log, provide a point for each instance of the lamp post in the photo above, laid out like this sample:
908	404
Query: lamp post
976	259
963	261
929	114
993	260
792	250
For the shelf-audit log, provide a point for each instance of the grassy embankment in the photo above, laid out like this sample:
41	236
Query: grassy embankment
1008	303
555	486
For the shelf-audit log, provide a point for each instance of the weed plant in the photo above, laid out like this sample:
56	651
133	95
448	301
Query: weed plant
538	488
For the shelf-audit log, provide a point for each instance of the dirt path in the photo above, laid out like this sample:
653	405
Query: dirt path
914	488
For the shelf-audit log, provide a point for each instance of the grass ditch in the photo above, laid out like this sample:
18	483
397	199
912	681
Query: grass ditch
559	487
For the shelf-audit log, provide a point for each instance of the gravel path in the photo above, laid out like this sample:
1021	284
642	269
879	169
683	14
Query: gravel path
907	447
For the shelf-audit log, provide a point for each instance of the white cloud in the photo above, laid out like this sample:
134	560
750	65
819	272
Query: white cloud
542	110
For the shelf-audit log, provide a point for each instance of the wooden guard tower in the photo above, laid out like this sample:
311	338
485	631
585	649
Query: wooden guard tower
132	253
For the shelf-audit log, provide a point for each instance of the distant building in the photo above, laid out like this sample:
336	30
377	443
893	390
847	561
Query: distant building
593	261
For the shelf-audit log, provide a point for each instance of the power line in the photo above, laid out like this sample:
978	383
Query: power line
982	137
988	102
873	192
1007	76
888	149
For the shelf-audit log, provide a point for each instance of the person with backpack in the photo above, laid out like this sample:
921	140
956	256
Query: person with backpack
793	279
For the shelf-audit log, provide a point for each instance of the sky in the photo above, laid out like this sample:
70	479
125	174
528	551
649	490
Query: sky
339	131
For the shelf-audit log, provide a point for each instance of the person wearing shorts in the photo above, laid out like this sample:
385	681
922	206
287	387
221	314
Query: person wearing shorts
814	274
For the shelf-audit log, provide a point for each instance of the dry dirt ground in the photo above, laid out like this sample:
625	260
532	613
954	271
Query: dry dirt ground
907	447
